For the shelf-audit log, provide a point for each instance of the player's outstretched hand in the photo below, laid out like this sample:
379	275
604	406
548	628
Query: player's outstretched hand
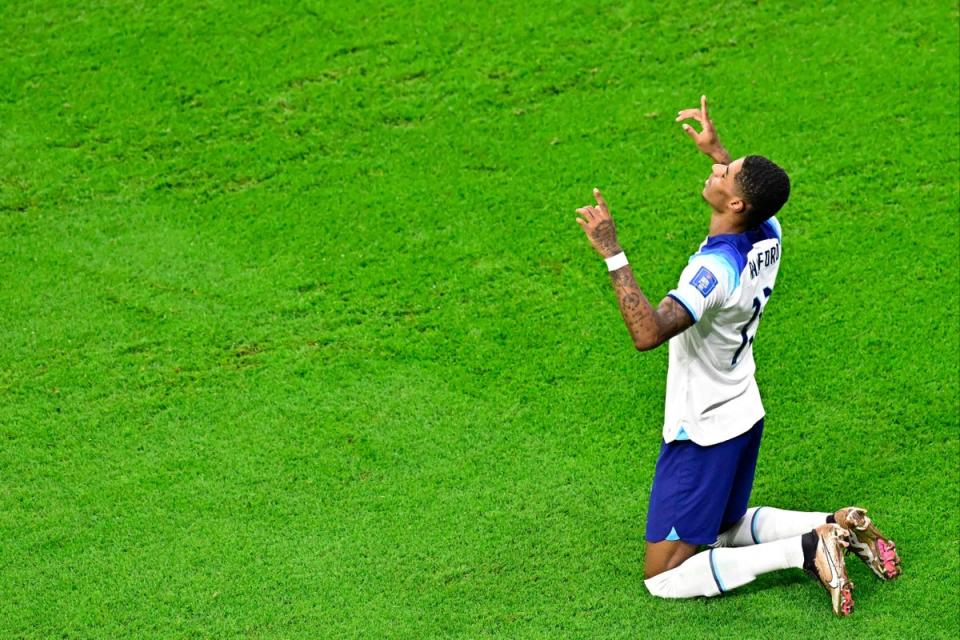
706	140
597	223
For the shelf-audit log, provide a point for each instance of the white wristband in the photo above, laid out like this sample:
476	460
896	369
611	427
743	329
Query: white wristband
616	262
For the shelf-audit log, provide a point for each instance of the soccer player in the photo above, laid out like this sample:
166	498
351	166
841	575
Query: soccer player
714	417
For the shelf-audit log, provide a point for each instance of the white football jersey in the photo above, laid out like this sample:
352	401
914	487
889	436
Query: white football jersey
712	395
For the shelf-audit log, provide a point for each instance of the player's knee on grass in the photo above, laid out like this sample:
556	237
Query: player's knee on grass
665	555
691	579
662	585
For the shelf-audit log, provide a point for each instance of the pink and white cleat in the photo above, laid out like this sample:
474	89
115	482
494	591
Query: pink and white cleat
823	550
875	549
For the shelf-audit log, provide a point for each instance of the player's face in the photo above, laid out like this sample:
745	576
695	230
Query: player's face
720	189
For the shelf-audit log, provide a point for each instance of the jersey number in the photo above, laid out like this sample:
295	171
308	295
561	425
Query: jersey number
757	314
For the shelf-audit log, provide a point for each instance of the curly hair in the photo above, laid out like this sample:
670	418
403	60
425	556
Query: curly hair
765	187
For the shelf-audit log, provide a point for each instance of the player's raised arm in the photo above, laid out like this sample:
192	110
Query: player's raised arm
706	140
648	327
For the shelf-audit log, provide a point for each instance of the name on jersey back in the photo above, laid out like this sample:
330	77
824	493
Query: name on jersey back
768	258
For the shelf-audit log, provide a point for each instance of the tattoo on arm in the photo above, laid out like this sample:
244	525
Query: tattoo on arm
648	327
605	236
673	318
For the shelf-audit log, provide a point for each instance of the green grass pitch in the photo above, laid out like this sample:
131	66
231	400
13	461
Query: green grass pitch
301	340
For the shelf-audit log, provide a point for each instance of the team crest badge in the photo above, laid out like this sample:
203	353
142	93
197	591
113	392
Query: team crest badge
704	281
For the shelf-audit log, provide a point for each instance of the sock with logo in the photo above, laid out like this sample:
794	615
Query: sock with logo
715	571
766	524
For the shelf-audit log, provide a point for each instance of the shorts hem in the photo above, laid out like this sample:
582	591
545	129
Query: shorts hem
687	539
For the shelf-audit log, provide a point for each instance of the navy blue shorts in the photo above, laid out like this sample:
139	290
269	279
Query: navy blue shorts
700	491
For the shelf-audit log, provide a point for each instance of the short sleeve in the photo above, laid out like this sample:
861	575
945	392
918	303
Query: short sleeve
706	283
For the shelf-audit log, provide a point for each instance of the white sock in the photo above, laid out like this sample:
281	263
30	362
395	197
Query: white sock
766	524
715	571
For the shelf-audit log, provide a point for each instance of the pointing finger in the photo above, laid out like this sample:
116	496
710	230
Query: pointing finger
703	108
600	201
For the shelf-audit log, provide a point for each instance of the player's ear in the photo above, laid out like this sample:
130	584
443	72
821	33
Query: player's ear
737	205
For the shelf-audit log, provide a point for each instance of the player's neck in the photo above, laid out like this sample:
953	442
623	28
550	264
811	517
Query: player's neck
722	223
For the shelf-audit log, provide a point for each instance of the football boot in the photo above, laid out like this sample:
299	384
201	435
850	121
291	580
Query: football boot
876	550
823	550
